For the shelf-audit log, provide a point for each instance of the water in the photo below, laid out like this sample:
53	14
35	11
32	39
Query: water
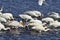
17	7
25	36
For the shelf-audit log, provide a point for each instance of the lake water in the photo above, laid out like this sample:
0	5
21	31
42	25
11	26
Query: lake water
17	7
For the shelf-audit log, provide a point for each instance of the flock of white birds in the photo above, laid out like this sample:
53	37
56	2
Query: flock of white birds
30	20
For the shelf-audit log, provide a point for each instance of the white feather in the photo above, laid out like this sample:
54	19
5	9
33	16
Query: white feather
40	2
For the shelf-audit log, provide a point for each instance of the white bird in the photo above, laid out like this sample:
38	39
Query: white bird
38	27
36	22
55	24
33	13
54	15
25	17
48	19
14	24
40	2
7	16
3	19
3	27
33	22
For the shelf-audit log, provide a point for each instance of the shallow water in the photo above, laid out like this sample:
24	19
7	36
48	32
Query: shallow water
26	36
19	6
